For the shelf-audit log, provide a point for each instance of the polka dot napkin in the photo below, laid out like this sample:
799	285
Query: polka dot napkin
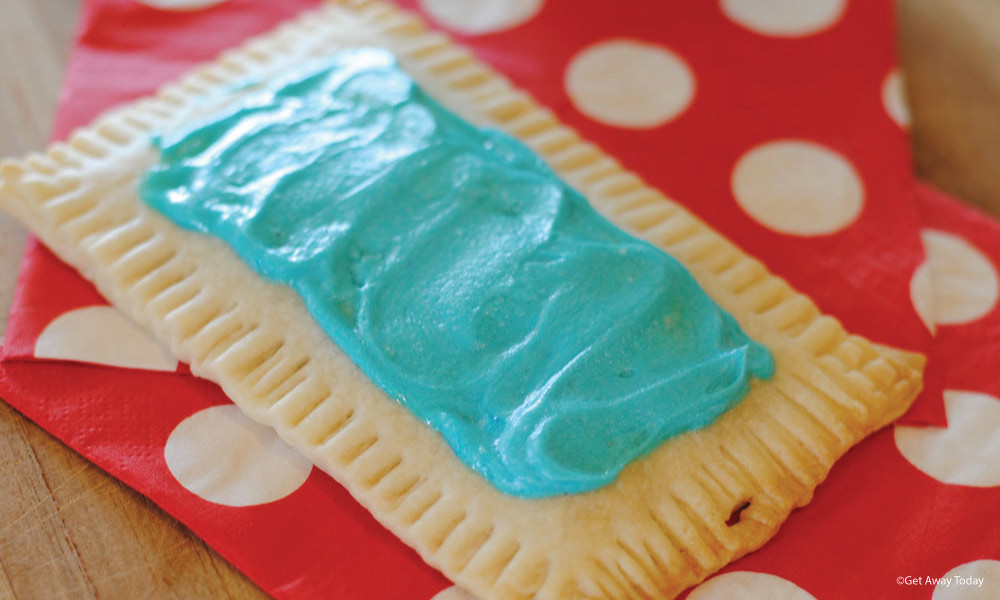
780	122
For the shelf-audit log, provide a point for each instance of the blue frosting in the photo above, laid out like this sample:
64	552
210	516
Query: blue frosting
547	346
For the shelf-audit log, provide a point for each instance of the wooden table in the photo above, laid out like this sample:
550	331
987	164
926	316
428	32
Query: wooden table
70	530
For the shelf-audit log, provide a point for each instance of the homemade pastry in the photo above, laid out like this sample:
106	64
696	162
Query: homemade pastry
539	403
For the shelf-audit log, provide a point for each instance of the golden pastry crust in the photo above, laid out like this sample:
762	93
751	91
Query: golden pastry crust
661	527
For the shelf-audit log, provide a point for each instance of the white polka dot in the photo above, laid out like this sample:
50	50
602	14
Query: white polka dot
453	593
102	335
976	580
181	5
223	456
963	281
627	83
894	98
922	295
476	17
798	187
784	18
967	452
748	585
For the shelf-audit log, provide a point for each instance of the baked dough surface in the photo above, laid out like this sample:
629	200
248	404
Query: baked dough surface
660	528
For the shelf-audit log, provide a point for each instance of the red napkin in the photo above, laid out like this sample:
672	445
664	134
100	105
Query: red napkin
729	107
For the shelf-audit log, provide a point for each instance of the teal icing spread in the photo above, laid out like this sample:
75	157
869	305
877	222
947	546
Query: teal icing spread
475	287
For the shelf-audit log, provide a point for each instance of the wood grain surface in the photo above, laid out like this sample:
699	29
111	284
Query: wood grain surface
68	530
950	52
